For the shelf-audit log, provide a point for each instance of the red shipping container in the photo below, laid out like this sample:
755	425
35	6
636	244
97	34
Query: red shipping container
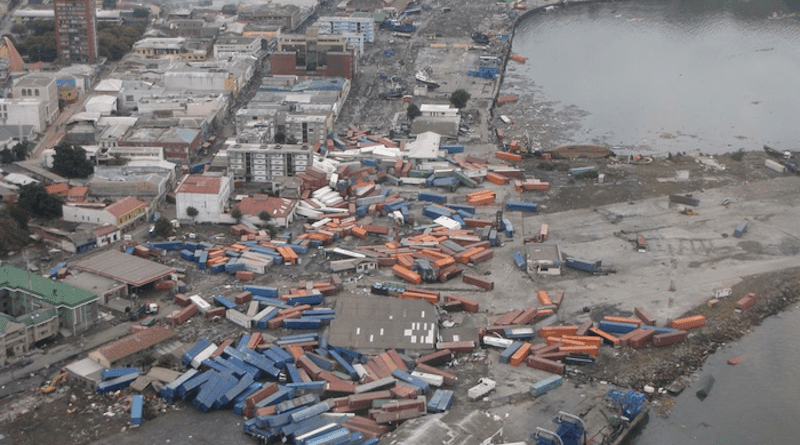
471	279
216	312
508	318
544	364
642	314
439	357
182	300
629	320
449	379
641	339
243	298
469	305
245	275
746	302
457	346
583	329
669	338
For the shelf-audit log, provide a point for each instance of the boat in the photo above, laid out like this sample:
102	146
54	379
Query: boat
580	151
422	77
481	38
641	160
774	153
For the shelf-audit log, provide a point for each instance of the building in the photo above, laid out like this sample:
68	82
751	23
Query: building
27	111
131	350
41	87
544	258
267	162
359	28
280	210
172	48
313	54
128	269
122	214
440	119
273	14
233	46
179	144
76	31
425	147
207	194
34	308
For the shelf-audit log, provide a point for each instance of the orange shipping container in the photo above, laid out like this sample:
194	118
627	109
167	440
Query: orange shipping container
406	274
544	298
497	178
508	156
522	353
585	339
697	321
591	350
421	296
635	321
557	331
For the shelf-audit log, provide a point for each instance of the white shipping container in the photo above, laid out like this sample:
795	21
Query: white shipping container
238	318
777	166
431	379
202	305
484	386
204	354
497	342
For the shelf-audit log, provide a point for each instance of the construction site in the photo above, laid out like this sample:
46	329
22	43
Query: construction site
465	292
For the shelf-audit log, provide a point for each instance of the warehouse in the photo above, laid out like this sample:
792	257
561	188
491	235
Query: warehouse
131	270
383	323
127	351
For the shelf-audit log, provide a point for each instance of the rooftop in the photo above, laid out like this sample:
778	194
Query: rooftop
134	343
207	185
128	269
276	207
52	292
369	323
124	206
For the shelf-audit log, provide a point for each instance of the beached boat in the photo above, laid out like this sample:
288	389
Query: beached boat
580	151
422	77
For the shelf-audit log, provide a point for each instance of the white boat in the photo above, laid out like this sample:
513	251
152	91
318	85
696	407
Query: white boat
422	77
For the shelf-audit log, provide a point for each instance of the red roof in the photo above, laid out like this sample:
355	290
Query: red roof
208	185
124	206
277	207
135	343
77	194
57	189
104	230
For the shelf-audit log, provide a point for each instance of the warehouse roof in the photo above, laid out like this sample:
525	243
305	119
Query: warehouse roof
128	269
384	323
124	206
206	185
54	293
130	345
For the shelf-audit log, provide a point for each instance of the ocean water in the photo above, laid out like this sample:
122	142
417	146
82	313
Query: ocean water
658	76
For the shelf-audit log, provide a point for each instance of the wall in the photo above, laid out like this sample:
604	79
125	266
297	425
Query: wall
82	214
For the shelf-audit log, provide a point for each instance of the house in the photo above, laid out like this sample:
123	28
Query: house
132	349
60	190
179	144
441	119
207	194
122	214
280	210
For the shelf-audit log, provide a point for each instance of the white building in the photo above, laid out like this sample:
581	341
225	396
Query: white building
207	194
120	214
102	104
232	46
24	112
40	87
358	28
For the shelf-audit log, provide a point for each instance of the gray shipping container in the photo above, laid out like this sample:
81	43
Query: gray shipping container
740	230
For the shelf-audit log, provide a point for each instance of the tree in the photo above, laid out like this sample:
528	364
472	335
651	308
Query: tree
236	214
162	227
459	98
413	112
34	199
192	212
6	156
141	13
70	161
21	150
264	216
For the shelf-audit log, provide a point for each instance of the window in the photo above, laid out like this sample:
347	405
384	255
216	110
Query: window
24	92
37	92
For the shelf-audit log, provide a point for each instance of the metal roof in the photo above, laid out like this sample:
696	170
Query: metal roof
380	323
128	269
52	292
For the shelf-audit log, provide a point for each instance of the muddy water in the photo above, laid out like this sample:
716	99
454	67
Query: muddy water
754	402
660	76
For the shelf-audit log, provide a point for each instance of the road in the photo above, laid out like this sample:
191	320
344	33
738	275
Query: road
56	131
